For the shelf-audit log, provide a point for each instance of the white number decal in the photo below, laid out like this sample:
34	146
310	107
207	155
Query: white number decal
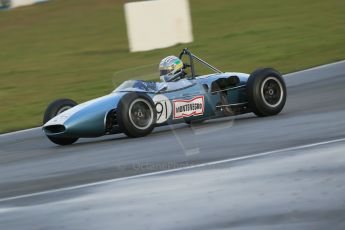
163	108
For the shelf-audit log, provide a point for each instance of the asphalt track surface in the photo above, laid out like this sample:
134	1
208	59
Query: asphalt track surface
43	186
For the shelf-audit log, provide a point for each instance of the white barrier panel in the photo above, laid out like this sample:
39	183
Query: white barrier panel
158	24
17	3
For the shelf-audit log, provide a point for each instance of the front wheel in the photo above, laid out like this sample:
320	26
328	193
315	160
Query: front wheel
54	109
57	107
266	91
62	140
137	114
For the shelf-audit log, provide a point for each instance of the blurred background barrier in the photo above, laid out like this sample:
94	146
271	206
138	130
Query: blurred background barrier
158	24
17	3
4	4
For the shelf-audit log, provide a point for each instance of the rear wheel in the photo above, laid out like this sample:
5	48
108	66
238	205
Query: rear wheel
137	115
54	109
266	92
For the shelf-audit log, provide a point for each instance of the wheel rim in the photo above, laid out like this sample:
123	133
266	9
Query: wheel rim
63	109
141	114
272	92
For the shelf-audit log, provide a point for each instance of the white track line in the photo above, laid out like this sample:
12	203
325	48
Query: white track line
300	147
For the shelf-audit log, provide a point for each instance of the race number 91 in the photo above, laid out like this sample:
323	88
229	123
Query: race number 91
163	108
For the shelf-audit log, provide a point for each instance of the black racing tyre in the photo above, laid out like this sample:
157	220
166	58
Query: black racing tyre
266	91
57	107
137	114
63	140
53	109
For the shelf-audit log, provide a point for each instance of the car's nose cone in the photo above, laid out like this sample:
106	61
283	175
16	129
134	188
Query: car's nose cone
84	120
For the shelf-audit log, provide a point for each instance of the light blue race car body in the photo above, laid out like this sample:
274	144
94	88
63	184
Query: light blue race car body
89	119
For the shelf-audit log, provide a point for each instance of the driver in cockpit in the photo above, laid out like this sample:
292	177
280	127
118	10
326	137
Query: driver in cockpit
171	68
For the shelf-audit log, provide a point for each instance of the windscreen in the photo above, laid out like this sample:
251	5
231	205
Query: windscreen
144	79
137	85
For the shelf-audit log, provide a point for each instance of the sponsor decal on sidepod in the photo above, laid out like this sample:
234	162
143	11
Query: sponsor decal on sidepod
188	108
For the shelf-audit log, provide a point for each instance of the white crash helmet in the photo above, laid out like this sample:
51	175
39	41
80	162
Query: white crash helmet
169	67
